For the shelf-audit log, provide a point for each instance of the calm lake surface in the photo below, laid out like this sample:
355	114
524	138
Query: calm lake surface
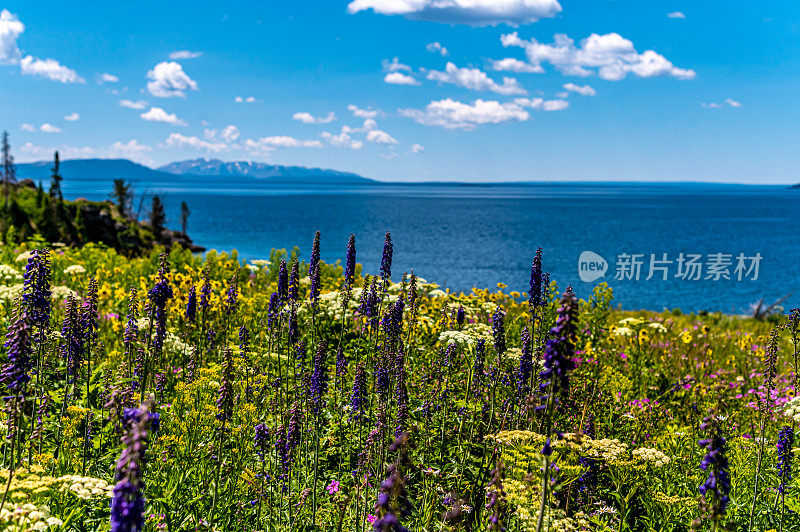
462	236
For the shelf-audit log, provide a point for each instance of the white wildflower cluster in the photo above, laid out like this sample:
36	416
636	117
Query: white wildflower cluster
437	293
253	267
86	487
62	292
654	456
10	293
8	274
75	269
792	408
259	263
27	517
456	337
24	256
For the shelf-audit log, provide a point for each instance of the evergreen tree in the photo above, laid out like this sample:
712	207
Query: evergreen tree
157	217
9	171
122	194
185	212
55	181
39	196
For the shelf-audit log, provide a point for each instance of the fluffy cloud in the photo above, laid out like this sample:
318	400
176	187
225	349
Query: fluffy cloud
437	48
49	128
394	65
230	133
584	90
730	102
471	12
132	149
308	118
363	113
343	139
398	78
27	127
157	114
613	57
511	64
417	148
184	54
541	104
676	14
105	77
475	79
10	29
182	141
139	104
380	137
72	117
249	99
168	80
50	69
733	103
452	114
265	144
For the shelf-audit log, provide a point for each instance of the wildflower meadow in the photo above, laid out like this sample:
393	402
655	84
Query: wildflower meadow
182	392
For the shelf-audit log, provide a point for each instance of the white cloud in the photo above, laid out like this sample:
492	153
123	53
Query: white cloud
394	65
733	103
230	133
437	48
50	69
27	127
475	79
398	78
676	14
711	105
452	114
184	54
209	134
105	77
49	128
182	141
417	148
72	117
471	12
380	137
613	57
139	104
157	114
167	80
265	144
132	149
10	29
249	99
343	139
510	64
308	118
584	90
364	113
541	104
714	105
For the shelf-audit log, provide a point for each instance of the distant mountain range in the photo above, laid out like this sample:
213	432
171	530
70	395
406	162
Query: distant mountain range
108	169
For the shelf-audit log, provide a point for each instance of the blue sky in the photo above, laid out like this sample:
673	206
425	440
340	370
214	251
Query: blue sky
514	89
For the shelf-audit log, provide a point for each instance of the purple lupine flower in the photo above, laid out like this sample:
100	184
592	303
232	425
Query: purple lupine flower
393	321
205	290
72	348
244	341
274	308
393	501
386	258
127	506
283	282
232	299
313	262
191	305
785	455
715	463
159	295
16	371
294	328
461	315
535	297
36	291
497	498
358	399
560	350
341	364
294	281
314	271
225	395
282	450
525	364
369	303
319	378
350	261
261	440
499	330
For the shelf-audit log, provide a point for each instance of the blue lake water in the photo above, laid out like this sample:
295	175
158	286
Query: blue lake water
463	236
